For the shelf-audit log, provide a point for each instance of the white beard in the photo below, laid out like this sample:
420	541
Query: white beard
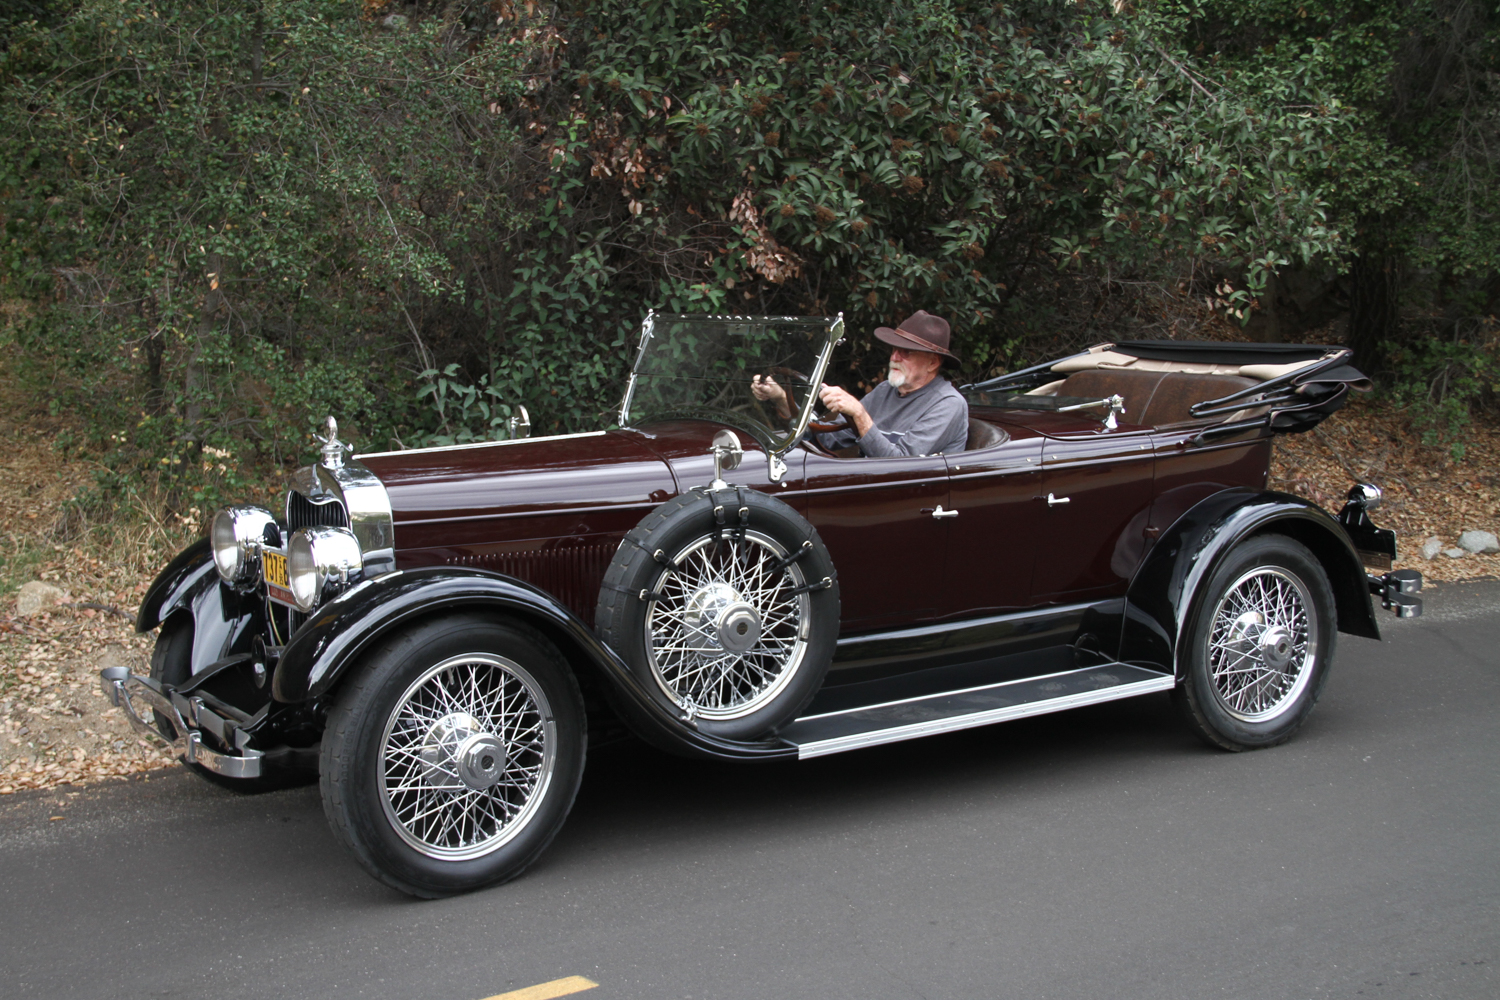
896	377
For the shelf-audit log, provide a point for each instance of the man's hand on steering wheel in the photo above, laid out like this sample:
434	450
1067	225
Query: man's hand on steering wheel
765	389
840	401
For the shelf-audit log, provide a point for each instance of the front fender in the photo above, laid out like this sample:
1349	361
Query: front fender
224	621
1161	595
175	587
332	642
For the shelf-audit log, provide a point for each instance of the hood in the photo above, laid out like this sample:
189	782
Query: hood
527	476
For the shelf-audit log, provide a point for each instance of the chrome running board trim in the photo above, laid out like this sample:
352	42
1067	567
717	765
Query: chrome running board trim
950	711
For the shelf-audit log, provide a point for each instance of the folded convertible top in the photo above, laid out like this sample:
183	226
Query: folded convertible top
1220	353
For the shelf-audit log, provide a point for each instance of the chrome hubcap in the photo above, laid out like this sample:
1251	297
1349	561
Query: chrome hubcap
727	630
1263	643
466	757
724	617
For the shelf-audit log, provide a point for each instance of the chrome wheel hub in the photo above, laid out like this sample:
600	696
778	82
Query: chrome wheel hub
738	627
481	761
725	618
727	628
1262	644
467	756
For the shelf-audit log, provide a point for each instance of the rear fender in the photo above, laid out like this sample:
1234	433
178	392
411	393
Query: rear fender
224	621
332	642
1161	597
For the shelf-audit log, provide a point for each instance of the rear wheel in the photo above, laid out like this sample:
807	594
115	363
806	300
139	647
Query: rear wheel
1260	645
451	760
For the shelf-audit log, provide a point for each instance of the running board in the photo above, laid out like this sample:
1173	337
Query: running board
872	725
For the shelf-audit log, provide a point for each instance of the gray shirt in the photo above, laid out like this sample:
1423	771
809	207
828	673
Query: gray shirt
933	419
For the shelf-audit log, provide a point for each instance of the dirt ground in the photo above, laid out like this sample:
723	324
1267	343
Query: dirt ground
57	729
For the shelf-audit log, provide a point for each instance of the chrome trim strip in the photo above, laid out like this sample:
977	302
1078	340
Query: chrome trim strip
860	740
539	512
478	444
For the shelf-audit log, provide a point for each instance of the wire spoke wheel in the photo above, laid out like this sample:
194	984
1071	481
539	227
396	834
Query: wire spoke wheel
466	756
727	626
1262	644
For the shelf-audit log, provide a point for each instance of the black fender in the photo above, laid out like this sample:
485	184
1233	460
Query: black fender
224	621
1160	598
331	642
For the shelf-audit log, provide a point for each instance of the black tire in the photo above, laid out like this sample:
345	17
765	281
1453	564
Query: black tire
172	663
672	579
389	757
1250	684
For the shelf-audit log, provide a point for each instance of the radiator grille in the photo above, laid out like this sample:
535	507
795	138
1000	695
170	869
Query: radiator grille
303	513
570	572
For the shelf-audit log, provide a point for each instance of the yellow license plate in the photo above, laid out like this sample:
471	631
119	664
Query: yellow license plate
275	569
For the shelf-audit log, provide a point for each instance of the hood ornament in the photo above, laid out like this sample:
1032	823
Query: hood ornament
333	449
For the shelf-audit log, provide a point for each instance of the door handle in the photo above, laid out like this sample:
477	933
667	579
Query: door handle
1053	501
938	512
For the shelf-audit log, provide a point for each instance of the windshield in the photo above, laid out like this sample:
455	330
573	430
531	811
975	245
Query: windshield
703	366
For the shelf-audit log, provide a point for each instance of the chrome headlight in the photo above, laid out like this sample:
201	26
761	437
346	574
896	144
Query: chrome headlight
236	538
318	559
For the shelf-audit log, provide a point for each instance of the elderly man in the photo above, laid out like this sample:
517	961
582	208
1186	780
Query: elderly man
913	412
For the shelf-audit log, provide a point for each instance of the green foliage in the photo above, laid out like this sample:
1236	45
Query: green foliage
878	158
235	209
1442	380
234	218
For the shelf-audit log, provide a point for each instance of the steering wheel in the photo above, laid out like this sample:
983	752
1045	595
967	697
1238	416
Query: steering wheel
821	423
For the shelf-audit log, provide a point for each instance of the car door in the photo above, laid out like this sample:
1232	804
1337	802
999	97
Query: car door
995	536
1094	494
884	522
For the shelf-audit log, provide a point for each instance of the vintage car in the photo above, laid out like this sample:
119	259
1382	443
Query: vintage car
440	634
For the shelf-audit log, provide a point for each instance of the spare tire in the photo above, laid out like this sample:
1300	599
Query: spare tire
726	606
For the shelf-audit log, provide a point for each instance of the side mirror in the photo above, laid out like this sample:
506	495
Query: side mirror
728	453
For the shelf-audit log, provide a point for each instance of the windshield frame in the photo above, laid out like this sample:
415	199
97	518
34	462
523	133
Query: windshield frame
776	447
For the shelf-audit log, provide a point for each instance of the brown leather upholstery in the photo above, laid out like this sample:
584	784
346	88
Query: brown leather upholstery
1153	398
983	434
1178	391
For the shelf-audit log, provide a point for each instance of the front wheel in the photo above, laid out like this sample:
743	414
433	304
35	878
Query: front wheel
1260	645
451	760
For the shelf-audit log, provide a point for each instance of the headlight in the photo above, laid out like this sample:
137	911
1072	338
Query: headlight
320	558
236	537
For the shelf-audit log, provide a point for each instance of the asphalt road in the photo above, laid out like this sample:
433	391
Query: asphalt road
1097	854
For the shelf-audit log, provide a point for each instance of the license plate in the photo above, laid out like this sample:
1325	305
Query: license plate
274	564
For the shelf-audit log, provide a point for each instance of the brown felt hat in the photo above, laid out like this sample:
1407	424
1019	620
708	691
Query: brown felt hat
921	331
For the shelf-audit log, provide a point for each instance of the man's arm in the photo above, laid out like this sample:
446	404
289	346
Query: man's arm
932	430
841	401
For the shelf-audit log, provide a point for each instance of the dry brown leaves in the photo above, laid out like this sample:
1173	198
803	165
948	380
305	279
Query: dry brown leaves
1426	492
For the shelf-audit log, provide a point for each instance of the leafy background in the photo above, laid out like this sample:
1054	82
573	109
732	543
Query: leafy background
221	221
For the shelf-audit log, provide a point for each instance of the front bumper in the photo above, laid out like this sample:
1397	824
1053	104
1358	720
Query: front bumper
189	718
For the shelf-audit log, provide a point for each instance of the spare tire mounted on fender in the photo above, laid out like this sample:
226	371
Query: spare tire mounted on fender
726	605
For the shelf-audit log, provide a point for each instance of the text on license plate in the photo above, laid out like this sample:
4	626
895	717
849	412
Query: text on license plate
275	568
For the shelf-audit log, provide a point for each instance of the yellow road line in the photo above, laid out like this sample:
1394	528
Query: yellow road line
546	991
